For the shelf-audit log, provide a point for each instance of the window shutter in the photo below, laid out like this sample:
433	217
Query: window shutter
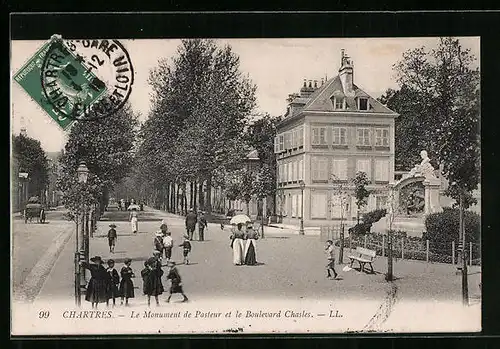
323	171
276	145
318	205
339	168
382	170
301	170
315	169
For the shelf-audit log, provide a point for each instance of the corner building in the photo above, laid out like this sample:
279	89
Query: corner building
333	128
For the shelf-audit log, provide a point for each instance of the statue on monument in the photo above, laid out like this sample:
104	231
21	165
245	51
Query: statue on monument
424	169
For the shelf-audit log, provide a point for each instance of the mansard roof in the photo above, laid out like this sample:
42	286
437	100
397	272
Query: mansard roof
322	99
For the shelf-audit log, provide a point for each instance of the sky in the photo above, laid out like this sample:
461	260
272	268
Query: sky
277	66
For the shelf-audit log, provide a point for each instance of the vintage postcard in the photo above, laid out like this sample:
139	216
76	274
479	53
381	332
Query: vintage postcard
242	186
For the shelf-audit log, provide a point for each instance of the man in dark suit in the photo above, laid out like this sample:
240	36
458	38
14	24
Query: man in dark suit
191	220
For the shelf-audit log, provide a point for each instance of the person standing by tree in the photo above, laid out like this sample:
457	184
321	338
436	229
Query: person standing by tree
97	289
202	224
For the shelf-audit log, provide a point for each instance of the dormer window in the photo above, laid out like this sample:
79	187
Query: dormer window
339	103
363	104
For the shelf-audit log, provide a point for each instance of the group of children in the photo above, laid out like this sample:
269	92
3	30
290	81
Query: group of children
163	244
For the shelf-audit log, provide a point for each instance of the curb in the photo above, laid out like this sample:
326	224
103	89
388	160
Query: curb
384	311
33	283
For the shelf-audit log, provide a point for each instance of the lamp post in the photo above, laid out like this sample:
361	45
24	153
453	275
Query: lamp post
302	186
390	276
83	174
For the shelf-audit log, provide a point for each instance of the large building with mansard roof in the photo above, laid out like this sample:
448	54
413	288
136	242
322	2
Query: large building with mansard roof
331	130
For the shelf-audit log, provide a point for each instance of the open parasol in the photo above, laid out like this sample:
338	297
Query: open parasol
240	218
132	206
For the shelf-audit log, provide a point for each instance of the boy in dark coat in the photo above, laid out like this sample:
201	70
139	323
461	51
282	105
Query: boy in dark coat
186	248
202	224
112	237
176	282
114	281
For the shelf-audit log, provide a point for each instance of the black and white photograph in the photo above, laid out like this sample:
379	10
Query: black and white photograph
245	185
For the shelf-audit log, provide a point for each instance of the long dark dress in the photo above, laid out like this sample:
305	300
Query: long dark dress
250	245
114	283
175	278
152	281
98	287
126	284
145	274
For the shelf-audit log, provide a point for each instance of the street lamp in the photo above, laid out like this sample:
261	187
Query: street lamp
302	186
83	174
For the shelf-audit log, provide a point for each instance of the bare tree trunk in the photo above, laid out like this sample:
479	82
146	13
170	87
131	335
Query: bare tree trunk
208	205
195	196
191	194
201	195
177	198
168	197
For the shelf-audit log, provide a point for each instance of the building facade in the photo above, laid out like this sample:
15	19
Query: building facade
331	131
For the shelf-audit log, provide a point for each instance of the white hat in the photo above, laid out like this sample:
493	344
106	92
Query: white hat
159	233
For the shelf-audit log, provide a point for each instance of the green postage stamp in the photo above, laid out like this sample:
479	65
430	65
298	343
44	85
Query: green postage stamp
68	84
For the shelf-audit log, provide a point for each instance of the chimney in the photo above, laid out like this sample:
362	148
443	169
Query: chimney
346	73
310	83
315	83
305	83
322	81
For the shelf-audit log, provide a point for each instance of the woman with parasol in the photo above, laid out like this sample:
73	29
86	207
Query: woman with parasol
98	287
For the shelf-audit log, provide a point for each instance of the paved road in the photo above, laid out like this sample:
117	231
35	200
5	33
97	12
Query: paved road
31	241
290	266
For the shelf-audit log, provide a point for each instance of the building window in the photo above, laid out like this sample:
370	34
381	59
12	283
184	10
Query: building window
294	169
281	139
300	137
363	104
339	103
294	206
318	205
318	136
294	139
339	136
339	169
276	145
319	169
288	140
339	206
382	170
301	170
363	137
381	202
363	165
382	137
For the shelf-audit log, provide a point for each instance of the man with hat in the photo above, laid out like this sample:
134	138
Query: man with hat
158	242
191	219
112	237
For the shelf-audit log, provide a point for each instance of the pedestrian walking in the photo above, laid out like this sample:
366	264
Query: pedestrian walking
152	279
126	284
176	282
144	274
186	249
330	255
191	219
97	288
251	236
158	242
202	224
114	282
168	243
134	220
237	245
112	238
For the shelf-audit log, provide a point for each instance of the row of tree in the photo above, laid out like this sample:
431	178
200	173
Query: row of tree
198	133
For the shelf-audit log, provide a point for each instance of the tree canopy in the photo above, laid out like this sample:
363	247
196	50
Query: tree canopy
31	159
439	103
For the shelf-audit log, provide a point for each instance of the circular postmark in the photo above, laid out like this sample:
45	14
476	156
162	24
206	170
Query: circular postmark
86	79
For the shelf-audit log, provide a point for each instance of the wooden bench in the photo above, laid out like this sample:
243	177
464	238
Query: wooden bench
363	256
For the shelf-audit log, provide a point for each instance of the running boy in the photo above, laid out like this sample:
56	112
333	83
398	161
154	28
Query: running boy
186	248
